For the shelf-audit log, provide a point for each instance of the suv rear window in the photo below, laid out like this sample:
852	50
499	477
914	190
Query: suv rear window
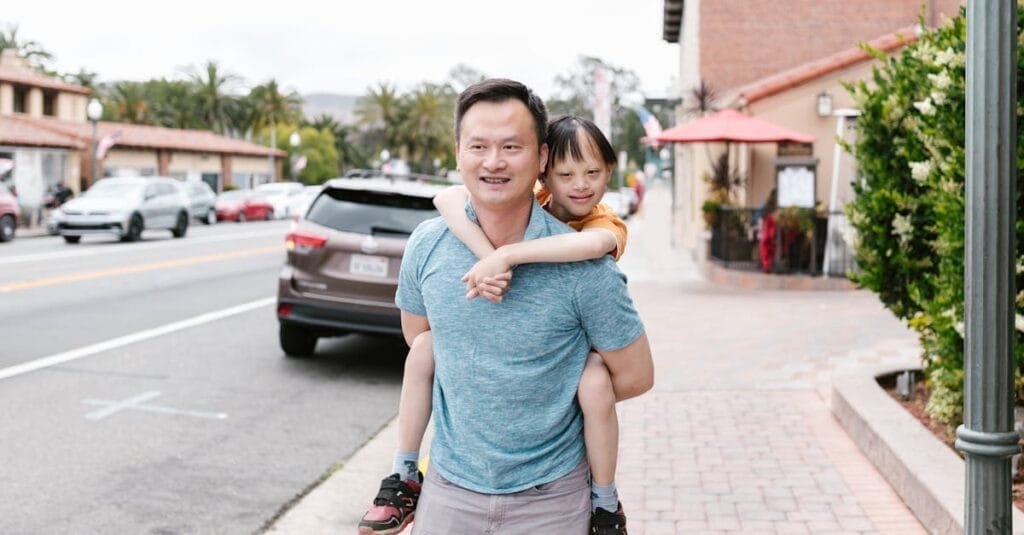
370	212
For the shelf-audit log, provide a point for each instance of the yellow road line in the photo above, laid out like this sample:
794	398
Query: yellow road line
139	268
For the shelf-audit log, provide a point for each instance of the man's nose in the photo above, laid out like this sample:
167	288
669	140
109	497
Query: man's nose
494	160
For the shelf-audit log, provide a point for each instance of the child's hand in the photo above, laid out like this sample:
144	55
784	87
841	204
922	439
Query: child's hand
490	266
490	288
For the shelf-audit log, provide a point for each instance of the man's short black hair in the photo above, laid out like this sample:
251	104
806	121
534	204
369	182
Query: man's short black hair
500	90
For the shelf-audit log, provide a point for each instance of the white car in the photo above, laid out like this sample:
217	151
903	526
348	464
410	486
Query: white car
280	195
124	207
301	202
618	202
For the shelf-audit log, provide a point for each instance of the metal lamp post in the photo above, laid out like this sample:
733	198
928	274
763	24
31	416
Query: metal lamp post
987	437
293	140
94	110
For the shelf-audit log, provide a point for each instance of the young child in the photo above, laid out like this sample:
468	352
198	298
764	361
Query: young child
580	162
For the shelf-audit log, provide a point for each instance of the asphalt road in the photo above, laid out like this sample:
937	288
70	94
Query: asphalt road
142	388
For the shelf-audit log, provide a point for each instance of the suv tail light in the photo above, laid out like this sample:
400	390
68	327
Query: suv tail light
304	242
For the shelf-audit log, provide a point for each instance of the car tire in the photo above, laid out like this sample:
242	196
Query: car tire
181	227
211	217
72	239
241	217
7	228
297	341
135	228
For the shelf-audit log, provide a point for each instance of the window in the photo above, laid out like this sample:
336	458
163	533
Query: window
370	212
50	103
20	99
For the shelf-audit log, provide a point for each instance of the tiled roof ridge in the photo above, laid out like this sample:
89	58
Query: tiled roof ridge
801	74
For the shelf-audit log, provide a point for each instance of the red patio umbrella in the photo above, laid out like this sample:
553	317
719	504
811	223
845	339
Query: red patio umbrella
731	125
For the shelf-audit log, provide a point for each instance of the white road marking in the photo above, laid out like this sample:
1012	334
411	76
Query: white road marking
135	403
75	354
78	252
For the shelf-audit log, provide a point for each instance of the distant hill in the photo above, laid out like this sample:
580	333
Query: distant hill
341	107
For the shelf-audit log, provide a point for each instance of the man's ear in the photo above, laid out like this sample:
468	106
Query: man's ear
543	157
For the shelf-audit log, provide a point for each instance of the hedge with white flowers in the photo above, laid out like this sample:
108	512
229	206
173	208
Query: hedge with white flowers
909	209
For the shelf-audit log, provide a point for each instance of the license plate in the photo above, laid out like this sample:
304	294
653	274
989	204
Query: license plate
374	266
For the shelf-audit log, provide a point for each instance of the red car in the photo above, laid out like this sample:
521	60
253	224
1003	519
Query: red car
243	205
9	214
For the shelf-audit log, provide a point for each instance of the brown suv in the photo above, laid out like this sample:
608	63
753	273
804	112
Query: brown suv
343	259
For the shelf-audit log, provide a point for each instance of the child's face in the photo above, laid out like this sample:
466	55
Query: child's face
577	186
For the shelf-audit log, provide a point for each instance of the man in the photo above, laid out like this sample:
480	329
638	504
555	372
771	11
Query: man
507	455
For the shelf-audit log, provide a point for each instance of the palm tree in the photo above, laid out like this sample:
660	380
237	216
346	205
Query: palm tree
30	50
380	113
128	103
426	131
211	85
271	107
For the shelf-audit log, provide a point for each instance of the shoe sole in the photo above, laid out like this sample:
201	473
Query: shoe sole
363	530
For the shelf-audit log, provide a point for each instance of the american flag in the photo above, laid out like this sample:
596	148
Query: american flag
104	145
651	125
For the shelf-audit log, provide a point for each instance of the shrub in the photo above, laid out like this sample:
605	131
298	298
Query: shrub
909	209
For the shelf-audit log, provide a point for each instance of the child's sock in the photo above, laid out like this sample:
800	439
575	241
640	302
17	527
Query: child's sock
604	496
406	465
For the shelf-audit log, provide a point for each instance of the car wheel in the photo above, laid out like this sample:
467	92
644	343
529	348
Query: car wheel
296	341
72	239
241	217
181	227
7	227
211	217
135	226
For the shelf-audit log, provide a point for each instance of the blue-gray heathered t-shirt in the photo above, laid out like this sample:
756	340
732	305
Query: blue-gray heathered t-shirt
505	414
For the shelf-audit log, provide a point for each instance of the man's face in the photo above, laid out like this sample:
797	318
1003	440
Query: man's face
498	153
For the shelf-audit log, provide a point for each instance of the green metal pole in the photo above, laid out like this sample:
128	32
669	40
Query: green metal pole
987	437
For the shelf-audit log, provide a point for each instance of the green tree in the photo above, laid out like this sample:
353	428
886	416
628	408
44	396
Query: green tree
212	98
350	156
428	126
317	145
273	107
380	114
172	104
126	102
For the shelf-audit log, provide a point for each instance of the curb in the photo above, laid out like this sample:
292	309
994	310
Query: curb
926	474
753	280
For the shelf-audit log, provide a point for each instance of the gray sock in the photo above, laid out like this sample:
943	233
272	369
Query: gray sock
604	496
406	465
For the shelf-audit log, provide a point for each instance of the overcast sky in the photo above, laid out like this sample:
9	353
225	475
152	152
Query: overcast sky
344	46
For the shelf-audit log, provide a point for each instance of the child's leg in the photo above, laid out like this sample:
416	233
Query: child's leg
415	404
600	430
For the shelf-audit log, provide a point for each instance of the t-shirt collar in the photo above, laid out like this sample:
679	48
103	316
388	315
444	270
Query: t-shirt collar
534	229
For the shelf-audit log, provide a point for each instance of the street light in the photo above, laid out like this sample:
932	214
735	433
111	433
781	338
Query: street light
94	110
294	140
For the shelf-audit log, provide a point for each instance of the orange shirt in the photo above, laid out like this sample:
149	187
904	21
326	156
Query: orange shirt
601	216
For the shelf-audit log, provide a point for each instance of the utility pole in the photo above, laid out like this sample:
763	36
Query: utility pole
987	436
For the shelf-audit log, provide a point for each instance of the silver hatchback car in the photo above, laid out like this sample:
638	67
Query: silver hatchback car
124	207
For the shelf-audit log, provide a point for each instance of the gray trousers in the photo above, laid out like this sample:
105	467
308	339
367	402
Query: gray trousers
561	507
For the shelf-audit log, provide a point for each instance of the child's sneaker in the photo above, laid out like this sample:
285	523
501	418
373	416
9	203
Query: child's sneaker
603	522
393	508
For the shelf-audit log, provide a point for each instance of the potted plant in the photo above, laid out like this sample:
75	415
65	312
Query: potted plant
711	208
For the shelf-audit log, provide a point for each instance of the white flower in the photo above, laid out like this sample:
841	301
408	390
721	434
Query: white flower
943	57
1020	265
938	97
925	52
925	107
902	228
1019	322
920	170
959	328
941	80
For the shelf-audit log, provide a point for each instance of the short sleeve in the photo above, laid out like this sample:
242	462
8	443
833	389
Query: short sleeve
606	311
603	218
409	296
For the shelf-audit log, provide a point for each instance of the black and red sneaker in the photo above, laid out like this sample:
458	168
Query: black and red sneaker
393	508
604	522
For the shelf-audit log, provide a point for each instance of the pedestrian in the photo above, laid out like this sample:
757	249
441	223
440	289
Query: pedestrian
507	426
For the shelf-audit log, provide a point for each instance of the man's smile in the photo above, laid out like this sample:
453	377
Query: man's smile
495	179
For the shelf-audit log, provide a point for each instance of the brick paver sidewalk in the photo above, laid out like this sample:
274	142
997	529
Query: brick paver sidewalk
736	436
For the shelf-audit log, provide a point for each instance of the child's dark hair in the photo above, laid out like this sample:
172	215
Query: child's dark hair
563	139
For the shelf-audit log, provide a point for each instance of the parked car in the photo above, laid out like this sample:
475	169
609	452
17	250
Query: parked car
618	201
201	200
10	214
124	207
280	194
243	205
300	203
341	270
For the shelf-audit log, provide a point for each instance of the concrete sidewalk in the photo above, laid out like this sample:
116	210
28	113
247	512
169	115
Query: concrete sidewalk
736	436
